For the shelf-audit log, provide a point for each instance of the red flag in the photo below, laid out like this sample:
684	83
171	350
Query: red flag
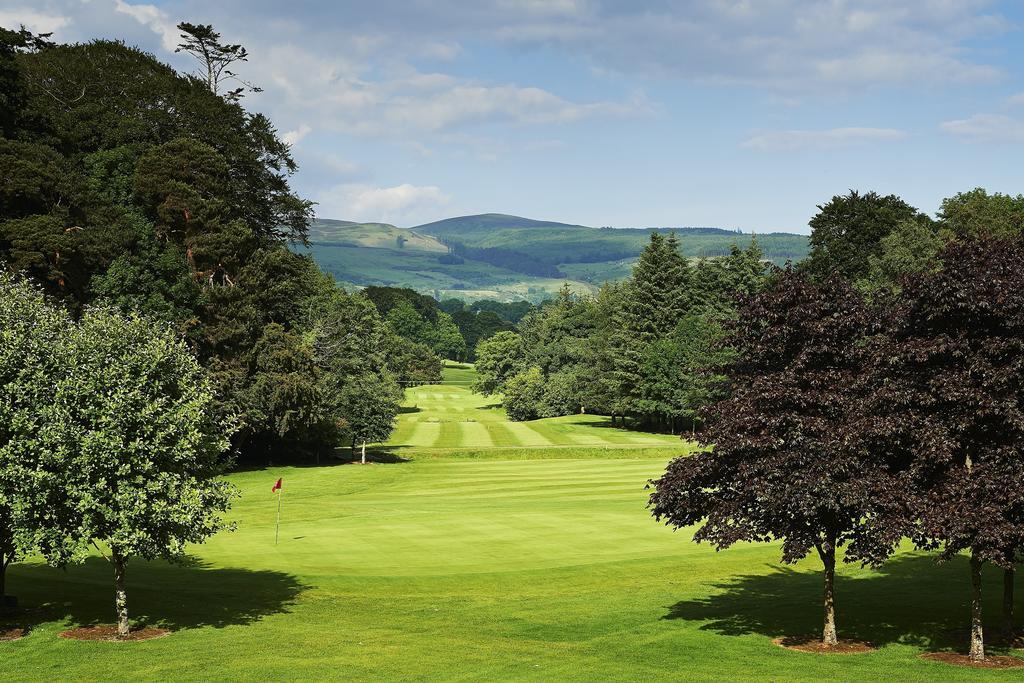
277	487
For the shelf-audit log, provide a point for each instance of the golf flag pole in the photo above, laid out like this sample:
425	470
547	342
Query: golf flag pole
277	527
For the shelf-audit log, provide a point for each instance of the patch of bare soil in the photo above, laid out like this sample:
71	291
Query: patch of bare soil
107	632
814	645
8	633
990	662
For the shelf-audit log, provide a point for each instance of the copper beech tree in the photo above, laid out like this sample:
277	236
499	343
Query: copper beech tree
948	409
784	458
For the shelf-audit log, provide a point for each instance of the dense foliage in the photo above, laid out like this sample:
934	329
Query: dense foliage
124	182
645	348
862	420
109	438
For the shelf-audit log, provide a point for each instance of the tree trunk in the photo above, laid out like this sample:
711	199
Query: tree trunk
828	558
1008	627
3	580
120	596
364	453
977	652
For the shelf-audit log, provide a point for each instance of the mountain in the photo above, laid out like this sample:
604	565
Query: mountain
508	258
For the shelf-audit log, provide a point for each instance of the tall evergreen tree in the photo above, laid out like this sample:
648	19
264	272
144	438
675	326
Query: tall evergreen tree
653	302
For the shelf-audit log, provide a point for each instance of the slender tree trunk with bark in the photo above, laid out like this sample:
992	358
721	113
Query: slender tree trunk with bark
1008	625
827	551
977	652
120	596
364	453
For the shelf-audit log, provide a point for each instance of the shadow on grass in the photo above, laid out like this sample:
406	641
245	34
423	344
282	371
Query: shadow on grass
176	597
383	454
606	423
405	410
911	600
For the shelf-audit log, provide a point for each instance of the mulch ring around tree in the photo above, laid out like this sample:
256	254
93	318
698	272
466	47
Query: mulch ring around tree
108	633
8	633
990	662
814	645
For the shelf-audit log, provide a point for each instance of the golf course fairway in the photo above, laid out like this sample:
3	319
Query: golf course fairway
485	553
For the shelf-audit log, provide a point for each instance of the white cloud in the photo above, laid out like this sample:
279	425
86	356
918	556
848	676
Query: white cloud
401	204
153	18
33	20
987	128
833	138
293	136
1015	99
341	97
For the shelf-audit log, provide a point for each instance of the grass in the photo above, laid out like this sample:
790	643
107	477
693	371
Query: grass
484	563
449	416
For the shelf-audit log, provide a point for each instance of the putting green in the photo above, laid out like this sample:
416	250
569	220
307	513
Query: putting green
469	565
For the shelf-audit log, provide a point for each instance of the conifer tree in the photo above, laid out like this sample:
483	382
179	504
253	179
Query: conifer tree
653	302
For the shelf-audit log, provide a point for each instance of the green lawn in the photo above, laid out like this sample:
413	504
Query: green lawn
450	416
465	561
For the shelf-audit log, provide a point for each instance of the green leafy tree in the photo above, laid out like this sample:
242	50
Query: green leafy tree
913	247
447	339
369	403
848	230
524	394
132	449
498	359
977	213
31	333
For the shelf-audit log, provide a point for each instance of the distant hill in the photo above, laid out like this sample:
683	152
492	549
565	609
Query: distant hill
486	221
563	243
508	258
377	235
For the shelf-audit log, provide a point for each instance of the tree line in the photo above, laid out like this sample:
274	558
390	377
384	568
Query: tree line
871	394
636	350
126	184
875	394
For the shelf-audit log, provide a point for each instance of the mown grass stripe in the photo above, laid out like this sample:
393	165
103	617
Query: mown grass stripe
474	435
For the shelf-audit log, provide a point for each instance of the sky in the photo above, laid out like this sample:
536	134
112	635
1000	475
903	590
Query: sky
627	113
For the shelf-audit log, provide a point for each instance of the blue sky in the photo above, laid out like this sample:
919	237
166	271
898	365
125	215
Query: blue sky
732	113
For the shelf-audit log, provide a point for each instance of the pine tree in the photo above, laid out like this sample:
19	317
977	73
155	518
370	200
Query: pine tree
654	300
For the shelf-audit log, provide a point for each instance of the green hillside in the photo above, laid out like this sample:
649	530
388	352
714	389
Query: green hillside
375	235
564	243
508	258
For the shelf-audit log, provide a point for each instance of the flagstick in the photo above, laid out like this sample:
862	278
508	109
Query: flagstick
277	529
